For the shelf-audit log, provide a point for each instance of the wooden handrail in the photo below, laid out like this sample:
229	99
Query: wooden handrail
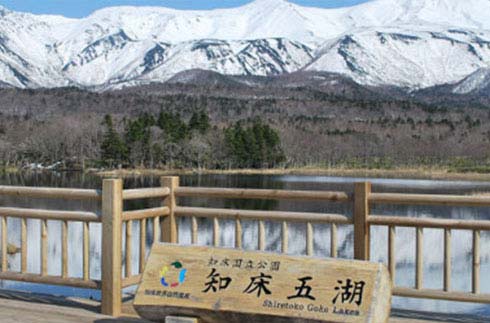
262	215
428	199
51	280
25	213
401	221
238	193
442	295
145	193
51	192
145	213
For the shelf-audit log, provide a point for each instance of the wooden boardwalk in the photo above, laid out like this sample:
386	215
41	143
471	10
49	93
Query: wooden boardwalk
17	307
35	308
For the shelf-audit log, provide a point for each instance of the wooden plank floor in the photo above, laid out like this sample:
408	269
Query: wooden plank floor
17	307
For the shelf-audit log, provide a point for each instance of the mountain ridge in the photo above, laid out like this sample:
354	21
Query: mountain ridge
411	44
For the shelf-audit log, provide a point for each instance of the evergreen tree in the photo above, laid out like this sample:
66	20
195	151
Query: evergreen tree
256	146
137	137
113	149
199	121
175	129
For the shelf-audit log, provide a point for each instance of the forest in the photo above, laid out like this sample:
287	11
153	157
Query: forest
202	126
168	141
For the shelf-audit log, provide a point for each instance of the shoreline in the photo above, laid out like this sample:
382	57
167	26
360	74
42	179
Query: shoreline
421	173
401	173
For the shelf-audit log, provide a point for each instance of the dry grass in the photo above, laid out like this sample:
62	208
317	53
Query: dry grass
408	173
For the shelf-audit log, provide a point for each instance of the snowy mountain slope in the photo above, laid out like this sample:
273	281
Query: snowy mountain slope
118	59
476	83
405	58
257	57
279	19
408	43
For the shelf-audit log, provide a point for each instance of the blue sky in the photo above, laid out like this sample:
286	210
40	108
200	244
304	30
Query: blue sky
81	8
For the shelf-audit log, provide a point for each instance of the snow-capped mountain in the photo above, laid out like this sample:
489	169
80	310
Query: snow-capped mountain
407	43
404	57
478	82
120	59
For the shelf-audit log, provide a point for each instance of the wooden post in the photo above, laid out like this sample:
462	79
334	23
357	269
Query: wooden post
238	233
309	239
333	240
215	232
419	258
3	256
447	260
361	226
142	245
129	241
23	248
476	263
391	252
86	251
284	237
112	205
261	242
169	223
44	247
194	229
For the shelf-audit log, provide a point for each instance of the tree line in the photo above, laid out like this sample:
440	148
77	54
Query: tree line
167	140
316	128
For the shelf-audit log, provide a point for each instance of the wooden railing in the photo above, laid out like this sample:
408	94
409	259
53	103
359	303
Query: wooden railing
164	220
112	218
44	215
262	216
392	222
362	221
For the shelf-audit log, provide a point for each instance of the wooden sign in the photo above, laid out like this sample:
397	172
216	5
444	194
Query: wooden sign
230	285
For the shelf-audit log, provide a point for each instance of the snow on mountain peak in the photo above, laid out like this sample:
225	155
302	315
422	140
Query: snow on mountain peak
3	11
478	81
268	3
468	13
412	43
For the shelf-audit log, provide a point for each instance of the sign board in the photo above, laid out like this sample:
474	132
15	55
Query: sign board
230	285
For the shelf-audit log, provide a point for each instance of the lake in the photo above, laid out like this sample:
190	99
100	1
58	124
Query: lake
405	237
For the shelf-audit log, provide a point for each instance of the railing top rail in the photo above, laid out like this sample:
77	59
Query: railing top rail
428	199
265	194
441	295
145	193
51	192
51	280
78	216
145	213
262	215
402	221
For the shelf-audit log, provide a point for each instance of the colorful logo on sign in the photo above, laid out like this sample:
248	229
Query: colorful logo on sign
167	270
